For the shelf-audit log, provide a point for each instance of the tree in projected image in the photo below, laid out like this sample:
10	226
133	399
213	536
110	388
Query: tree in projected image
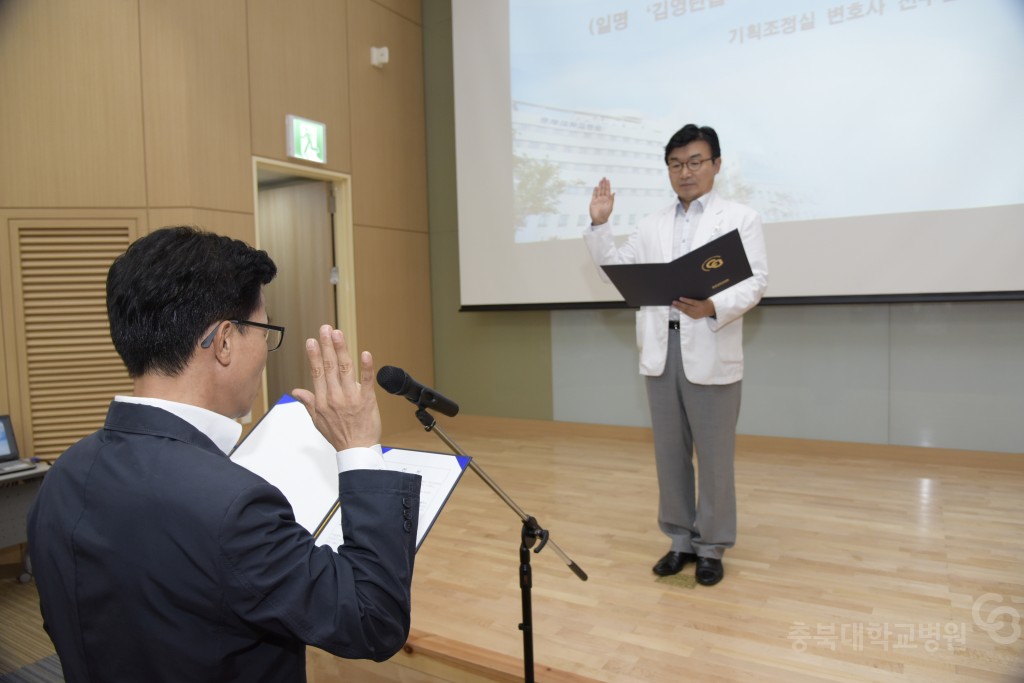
538	187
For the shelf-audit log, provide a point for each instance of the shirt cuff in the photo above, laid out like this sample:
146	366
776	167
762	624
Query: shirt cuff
360	458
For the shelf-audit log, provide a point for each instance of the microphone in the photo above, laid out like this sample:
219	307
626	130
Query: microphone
397	381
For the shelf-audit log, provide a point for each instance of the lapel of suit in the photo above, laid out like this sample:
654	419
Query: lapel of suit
712	223
666	226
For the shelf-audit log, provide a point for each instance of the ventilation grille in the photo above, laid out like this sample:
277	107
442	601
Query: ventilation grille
72	368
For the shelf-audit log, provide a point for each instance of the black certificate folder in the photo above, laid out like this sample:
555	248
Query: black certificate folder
708	269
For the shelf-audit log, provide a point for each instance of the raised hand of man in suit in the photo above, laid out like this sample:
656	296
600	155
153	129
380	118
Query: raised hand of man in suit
344	410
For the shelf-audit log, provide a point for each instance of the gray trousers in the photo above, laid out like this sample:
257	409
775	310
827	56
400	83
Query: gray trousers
683	416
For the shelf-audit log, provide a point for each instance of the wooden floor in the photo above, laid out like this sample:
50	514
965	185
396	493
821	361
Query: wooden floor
853	563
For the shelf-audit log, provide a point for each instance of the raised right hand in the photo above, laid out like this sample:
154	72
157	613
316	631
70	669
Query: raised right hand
343	408
602	202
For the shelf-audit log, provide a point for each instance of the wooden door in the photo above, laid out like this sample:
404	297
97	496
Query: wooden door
295	228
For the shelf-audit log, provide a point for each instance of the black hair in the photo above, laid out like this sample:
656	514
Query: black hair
688	134
169	287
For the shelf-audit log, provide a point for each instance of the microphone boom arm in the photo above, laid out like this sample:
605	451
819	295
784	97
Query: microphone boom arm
531	531
430	424
397	381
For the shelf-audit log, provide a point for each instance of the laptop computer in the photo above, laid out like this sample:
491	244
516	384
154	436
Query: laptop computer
10	459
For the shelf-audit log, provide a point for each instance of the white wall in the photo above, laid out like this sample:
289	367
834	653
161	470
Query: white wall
947	375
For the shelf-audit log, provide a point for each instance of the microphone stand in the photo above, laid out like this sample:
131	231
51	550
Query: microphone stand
532	531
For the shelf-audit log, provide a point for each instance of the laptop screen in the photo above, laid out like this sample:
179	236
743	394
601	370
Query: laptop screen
8	446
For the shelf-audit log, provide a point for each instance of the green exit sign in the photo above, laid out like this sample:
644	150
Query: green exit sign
306	139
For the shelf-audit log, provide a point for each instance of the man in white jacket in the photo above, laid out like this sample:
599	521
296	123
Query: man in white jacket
690	352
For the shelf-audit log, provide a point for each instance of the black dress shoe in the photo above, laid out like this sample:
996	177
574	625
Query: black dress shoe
709	571
673	563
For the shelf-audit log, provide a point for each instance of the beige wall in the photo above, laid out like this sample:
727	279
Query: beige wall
389	196
71	110
491	363
298	58
154	110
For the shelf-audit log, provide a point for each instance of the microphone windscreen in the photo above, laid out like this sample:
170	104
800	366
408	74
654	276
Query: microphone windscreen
391	379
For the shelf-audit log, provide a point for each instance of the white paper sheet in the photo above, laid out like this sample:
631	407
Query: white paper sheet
286	449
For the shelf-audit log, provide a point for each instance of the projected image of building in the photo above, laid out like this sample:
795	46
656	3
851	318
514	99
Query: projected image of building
559	155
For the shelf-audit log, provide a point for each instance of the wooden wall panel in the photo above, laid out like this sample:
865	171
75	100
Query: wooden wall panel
70	104
298	64
241	226
410	9
389	180
393	311
155	110
196	104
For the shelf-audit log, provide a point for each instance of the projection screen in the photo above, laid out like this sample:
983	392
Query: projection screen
881	142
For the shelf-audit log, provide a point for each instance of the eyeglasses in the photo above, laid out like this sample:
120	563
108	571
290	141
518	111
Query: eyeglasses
692	164
274	334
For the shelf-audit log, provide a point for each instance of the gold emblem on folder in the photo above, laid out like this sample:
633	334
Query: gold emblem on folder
712	262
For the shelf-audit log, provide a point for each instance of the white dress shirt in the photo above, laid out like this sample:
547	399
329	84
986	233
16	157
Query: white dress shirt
683	228
224	432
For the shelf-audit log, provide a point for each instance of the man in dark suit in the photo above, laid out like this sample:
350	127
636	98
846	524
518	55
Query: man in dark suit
159	559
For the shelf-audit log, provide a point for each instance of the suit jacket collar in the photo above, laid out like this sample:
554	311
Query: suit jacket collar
133	418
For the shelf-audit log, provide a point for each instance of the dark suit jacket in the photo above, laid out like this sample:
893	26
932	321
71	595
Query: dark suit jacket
159	559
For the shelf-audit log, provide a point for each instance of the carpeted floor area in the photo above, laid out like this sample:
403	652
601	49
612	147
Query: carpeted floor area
46	670
25	649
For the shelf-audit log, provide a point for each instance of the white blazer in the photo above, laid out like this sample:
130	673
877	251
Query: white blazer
711	348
